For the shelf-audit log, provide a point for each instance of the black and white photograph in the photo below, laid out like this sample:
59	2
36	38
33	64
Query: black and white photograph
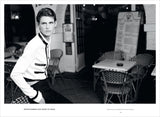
63	56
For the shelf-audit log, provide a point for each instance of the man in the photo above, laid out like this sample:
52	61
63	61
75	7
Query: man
30	71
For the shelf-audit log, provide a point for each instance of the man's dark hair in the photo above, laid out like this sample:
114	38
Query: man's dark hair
46	12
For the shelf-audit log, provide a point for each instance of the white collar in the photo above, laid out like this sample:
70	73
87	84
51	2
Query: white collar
45	38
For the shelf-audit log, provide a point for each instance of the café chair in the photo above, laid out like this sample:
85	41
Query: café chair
140	70
145	59
8	80
117	86
117	55
53	68
14	50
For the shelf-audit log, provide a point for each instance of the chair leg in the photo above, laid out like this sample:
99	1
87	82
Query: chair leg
53	79
105	97
12	92
7	84
96	77
15	89
130	96
109	98
60	72
62	78
137	86
120	98
126	97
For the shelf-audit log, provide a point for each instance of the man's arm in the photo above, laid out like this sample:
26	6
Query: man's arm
19	69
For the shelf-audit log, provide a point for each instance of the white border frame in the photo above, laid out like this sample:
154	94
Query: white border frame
73	110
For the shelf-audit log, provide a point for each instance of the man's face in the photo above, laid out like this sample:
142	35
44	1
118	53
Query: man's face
47	26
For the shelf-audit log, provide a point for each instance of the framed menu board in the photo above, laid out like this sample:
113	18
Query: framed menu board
127	33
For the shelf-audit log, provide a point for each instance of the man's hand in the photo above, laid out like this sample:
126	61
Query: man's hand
42	101
39	98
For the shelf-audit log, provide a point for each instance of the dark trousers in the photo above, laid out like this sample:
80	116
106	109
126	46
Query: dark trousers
49	94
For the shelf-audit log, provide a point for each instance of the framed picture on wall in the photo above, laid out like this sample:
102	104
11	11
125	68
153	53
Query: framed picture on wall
68	33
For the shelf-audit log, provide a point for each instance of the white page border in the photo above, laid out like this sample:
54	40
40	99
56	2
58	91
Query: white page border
54	110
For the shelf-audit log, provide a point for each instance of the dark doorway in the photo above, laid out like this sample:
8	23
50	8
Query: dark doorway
19	23
100	29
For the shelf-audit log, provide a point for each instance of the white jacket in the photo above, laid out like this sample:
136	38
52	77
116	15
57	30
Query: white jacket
32	65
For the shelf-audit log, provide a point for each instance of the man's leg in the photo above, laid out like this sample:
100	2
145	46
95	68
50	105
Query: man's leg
50	95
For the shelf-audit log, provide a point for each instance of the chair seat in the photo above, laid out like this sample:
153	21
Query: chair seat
144	59
137	77
138	69
53	69
117	89
9	79
21	100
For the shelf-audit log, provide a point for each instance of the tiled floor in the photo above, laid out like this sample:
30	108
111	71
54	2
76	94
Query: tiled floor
78	88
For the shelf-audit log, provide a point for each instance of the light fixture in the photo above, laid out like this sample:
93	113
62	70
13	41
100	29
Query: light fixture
127	7
15	16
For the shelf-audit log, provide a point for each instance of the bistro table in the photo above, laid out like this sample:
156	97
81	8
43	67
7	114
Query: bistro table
111	64
10	60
